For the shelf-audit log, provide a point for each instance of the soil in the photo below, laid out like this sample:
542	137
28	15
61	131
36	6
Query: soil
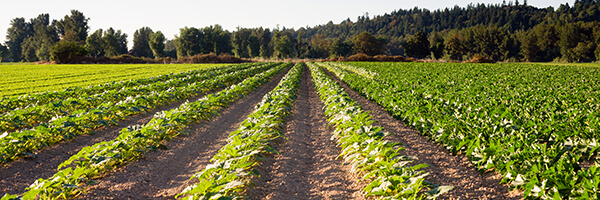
444	168
163	174
306	167
19	174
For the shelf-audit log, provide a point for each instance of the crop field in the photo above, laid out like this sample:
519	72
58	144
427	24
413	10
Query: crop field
17	80
356	130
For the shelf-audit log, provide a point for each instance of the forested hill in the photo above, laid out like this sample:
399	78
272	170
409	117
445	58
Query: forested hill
510	16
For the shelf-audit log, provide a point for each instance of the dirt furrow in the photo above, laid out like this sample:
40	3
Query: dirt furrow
444	168
164	173
306	167
19	174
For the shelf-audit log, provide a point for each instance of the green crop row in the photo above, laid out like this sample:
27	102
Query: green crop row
24	142
28	79
388	173
233	165
35	114
135	141
536	125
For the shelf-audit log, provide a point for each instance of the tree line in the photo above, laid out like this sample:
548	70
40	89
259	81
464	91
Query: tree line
501	32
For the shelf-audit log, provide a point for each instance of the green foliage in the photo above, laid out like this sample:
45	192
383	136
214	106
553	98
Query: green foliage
141	42
340	48
77	116
367	43
503	117
74	28
283	45
4	53
67	52
16	34
417	46
95	44
157	44
233	166
135	141
115	42
387	172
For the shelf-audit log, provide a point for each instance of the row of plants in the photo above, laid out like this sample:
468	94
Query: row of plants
25	142
233	166
389	174
34	114
135	141
21	102
31	79
536	125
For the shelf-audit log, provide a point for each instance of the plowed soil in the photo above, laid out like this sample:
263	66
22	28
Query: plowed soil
305	168
19	174
444	168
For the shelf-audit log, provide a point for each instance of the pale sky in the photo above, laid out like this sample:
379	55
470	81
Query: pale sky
169	16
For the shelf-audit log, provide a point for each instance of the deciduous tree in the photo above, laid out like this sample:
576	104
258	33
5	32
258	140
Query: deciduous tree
141	42
157	44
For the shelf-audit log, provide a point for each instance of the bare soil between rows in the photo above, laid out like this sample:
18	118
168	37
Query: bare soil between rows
16	176
444	168
306	167
162	174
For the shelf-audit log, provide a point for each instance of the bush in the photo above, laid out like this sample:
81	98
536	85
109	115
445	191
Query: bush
67	52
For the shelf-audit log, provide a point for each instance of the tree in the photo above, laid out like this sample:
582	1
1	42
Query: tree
94	44
171	48
141	42
3	52
157	44
437	45
417	46
240	42
115	42
16	34
74	27
529	48
340	48
264	38
455	48
282	45
368	44
67	52
189	42
37	46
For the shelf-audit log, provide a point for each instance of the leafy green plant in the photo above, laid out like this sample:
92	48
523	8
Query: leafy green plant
21	143
233	165
135	141
536	125
387	172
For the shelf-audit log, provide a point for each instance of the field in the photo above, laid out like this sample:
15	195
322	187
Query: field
17	80
357	130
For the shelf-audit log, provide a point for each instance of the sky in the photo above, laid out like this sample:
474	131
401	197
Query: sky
169	16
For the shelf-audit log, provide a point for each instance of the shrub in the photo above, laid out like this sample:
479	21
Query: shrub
67	52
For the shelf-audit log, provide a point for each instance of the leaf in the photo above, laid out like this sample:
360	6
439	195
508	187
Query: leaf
436	192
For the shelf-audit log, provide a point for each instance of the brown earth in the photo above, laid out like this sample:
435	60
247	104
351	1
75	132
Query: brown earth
163	174
19	174
444	168
306	167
